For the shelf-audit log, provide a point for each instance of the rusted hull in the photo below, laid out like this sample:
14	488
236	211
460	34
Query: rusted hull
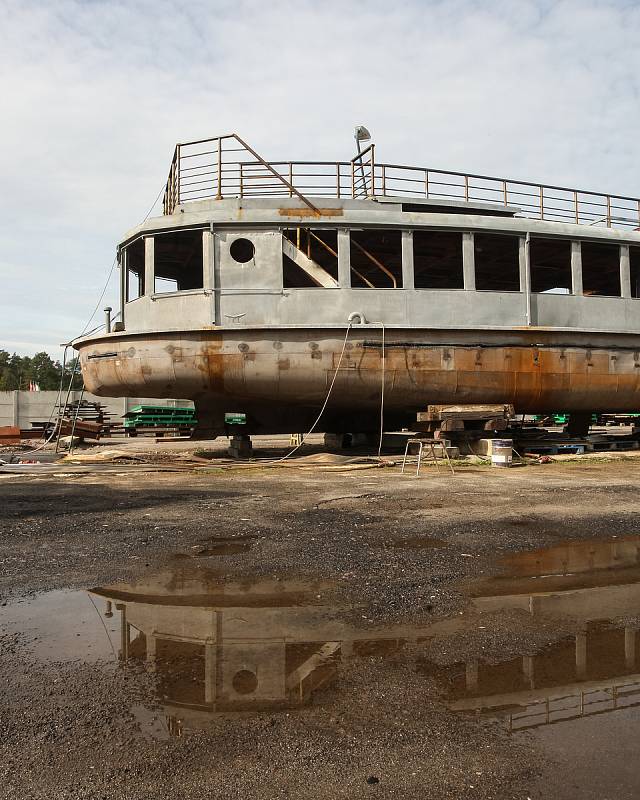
280	377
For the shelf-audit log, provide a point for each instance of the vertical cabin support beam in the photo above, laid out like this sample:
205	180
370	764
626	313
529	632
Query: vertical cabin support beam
468	262
217	281
344	259
209	673
625	271
525	275
407	260
149	267
576	268
629	648
122	264
207	261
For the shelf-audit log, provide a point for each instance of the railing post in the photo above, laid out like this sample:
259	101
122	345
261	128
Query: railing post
426	184
177	176
290	178
338	179
219	193
541	202
384	180
353	179
608	211
173	187
241	181
505	194
170	190
575	204
466	188
373	172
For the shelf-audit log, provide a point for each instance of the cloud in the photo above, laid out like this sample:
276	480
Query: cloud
95	95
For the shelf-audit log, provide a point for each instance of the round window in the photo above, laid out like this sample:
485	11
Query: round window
245	682
242	250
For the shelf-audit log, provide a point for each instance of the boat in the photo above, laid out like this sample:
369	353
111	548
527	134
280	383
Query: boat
267	289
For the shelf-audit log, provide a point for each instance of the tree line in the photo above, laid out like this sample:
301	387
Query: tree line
25	372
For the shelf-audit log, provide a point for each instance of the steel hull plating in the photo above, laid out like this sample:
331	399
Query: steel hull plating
280	377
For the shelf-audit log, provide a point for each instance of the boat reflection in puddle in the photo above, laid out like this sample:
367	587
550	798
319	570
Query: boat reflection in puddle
593	672
224	647
221	647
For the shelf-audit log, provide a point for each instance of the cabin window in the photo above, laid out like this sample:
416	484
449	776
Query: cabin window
550	265
634	269
134	261
497	262
178	261
309	258
600	269
242	250
180	669
437	260
376	259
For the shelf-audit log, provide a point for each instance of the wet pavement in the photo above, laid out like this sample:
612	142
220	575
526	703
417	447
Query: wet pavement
214	646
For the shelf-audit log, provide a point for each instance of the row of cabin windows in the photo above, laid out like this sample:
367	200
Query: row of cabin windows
310	259
376	261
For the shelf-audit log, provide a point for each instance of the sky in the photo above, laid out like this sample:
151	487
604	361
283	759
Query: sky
95	94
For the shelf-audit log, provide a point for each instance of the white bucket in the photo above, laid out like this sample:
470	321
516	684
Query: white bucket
501	452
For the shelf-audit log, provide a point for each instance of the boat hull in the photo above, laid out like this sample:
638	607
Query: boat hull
280	377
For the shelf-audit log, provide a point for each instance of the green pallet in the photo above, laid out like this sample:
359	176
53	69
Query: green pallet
159	416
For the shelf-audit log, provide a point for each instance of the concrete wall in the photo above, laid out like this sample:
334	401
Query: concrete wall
23	408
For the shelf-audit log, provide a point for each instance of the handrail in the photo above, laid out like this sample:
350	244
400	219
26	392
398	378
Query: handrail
172	191
378	263
215	169
333	253
276	174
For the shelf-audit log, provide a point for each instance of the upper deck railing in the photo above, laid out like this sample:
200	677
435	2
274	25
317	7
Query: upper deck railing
226	166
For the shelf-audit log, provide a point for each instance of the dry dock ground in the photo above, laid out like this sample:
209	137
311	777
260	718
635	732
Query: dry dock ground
377	635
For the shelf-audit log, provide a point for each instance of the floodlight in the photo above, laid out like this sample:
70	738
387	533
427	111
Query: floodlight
362	134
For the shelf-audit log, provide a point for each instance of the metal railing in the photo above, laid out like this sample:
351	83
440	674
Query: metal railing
226	166
573	706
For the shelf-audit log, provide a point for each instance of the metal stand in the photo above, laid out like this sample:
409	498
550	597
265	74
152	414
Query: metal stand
240	446
431	445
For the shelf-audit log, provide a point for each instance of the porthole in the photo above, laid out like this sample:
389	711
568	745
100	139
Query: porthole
245	682
242	250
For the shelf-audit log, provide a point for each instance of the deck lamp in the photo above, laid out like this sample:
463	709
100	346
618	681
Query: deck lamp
361	135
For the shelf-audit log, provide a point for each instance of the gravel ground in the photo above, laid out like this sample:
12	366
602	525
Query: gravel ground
397	550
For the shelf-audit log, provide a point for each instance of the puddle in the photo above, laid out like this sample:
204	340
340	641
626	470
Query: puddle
216	646
224	549
567	566
221	546
221	549
578	698
62	626
418	543
575	558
